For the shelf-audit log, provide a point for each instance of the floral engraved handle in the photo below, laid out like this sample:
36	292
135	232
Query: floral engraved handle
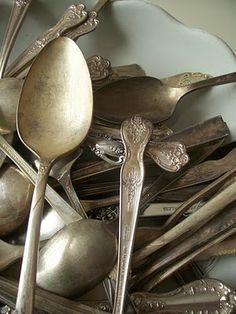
99	68
171	156
200	296
135	134
88	26
73	16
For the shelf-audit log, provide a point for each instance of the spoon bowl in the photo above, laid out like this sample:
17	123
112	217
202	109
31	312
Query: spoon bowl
149	97
16	193
66	258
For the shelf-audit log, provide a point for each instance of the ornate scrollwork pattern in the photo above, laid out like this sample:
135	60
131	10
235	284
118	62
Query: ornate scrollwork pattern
136	128
169	156
22	3
5	310
225	299
99	68
88	26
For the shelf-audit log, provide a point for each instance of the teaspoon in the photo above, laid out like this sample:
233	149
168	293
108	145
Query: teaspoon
40	118
153	99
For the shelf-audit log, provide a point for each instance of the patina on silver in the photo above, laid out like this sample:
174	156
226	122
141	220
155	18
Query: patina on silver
136	133
40	118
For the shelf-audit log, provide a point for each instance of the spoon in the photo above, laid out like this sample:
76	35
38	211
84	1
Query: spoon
135	133
10	88
18	14
89	260
195	296
74	15
16	193
40	118
200	296
80	24
154	100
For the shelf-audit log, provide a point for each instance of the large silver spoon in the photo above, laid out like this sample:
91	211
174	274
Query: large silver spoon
153	99
53	118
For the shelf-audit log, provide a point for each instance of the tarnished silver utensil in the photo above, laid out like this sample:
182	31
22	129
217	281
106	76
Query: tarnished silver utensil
55	106
74	15
135	133
18	14
153	99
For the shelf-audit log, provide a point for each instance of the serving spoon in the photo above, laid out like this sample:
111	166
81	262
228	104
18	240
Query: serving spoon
40	118
153	99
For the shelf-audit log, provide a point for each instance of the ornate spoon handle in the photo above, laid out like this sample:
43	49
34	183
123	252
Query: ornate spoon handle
135	133
200	296
73	16
18	14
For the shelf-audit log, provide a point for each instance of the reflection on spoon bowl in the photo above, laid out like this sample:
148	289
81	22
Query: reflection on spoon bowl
16	193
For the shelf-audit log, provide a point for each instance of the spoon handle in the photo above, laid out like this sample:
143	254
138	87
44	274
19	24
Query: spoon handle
68	187
73	16
200	296
26	289
156	279
214	81
221	224
135	133
64	210
18	14
195	220
88	26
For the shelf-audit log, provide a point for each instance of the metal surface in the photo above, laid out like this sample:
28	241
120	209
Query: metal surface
18	14
219	225
10	89
135	133
184	79
74	15
153	99
45	302
201	296
40	118
226	247
64	210
9	253
196	220
87	255
16	193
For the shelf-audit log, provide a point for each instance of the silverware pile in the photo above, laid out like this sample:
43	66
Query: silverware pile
91	140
